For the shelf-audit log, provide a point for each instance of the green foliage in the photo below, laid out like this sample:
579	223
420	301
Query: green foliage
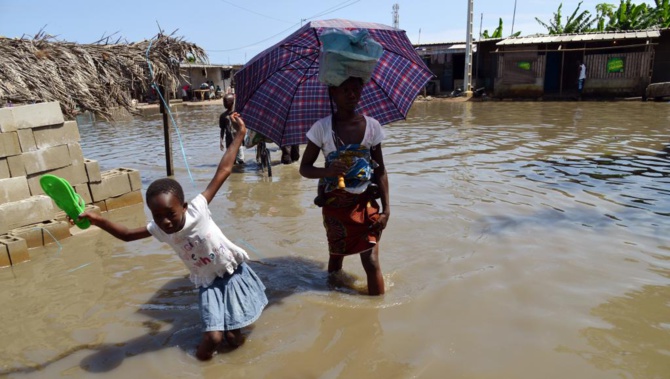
609	17
661	14
498	32
630	16
576	23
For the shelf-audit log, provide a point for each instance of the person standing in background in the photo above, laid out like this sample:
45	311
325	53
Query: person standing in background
582	78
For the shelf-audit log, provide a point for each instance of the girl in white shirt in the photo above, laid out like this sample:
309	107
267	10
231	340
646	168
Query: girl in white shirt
231	295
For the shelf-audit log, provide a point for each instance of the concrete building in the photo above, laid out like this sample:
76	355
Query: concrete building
197	73
619	64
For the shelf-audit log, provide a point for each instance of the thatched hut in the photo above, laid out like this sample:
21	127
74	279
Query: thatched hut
95	77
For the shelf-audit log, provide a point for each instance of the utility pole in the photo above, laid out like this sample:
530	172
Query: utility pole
467	77
513	18
396	16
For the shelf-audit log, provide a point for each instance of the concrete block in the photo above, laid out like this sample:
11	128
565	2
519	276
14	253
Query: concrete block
31	233
54	230
125	200
55	135
84	192
9	144
73	174
7	123
16	166
93	171
17	248
31	210
47	159
14	189
76	154
134	177
4	255
36	115
4	169
113	183
26	140
102	205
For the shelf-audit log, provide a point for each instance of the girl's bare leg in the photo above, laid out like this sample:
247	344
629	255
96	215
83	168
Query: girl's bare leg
235	337
207	347
370	261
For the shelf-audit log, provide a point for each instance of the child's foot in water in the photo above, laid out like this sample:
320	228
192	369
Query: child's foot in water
235	338
208	345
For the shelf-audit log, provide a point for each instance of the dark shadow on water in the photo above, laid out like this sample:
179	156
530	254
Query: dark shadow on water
175	319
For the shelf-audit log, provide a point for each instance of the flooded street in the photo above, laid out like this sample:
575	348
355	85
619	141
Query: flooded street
527	240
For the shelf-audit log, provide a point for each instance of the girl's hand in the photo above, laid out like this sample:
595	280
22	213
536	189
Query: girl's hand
381	222
91	216
238	123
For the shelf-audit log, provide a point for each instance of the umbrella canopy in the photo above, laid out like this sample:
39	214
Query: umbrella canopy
279	94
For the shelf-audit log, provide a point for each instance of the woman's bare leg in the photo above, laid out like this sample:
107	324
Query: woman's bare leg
370	261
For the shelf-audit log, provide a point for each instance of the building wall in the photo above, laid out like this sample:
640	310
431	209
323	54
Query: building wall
632	81
520	73
662	59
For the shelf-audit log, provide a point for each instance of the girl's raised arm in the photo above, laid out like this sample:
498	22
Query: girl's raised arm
225	167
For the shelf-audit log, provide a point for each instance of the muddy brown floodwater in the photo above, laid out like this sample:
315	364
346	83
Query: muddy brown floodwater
527	240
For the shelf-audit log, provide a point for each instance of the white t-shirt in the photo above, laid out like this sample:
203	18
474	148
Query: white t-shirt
201	244
321	134
582	71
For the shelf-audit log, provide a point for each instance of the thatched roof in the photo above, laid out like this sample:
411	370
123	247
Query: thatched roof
88	77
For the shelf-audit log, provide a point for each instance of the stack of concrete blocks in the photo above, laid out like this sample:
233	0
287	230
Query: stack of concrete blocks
36	140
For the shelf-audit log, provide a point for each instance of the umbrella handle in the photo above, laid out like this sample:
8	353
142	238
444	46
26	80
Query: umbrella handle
340	182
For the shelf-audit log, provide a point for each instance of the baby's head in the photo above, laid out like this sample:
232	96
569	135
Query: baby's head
165	199
228	101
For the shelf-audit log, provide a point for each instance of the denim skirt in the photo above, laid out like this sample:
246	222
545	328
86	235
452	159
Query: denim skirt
233	301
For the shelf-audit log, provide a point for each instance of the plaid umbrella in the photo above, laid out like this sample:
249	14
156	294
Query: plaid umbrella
279	95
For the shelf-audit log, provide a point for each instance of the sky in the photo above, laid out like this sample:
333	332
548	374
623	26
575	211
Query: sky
234	31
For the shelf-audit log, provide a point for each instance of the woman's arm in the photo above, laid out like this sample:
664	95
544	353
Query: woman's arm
381	179
308	170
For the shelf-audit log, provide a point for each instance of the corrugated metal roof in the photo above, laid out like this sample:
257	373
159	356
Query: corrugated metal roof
608	36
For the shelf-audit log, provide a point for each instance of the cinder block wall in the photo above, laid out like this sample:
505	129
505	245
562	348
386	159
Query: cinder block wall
36	140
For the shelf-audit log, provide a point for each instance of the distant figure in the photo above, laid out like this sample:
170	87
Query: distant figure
211	94
227	133
582	78
218	91
184	93
230	294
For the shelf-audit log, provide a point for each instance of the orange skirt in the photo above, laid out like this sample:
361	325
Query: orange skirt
347	218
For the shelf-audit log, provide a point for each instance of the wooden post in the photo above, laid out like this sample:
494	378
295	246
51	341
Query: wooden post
166	130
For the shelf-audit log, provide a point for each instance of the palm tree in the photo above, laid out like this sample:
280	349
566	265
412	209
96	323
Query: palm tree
576	23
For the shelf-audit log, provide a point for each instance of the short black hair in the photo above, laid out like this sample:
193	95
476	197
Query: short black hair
165	185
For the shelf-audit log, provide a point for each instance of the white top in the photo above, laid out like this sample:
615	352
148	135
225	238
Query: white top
201	244
321	134
582	71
